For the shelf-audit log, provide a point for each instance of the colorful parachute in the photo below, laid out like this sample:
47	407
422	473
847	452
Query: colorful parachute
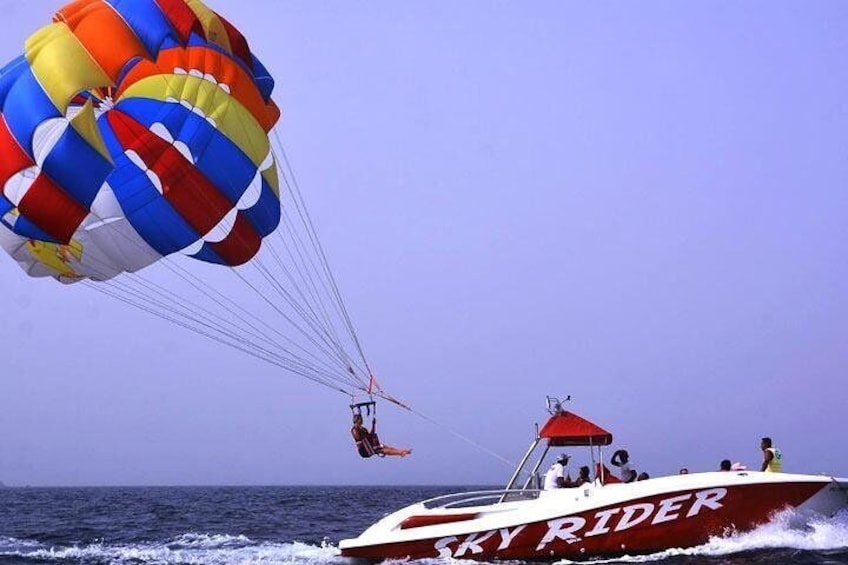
131	130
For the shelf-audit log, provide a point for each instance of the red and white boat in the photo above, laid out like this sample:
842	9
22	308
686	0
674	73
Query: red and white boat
603	518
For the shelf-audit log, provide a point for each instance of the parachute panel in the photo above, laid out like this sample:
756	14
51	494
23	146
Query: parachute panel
148	23
76	166
211	102
26	107
51	209
62	65
103	34
180	158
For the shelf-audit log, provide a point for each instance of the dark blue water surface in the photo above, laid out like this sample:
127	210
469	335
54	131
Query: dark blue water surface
292	525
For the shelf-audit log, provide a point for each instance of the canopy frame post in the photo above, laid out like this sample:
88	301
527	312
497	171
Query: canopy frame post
517	473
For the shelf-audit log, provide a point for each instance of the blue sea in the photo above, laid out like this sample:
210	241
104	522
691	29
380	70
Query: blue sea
290	525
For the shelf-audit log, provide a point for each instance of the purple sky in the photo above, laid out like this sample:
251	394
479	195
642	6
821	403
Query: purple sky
642	205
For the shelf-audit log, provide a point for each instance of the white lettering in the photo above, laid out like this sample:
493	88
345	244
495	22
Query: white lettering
709	498
568	529
669	508
473	542
507	536
442	547
562	528
602	518
630	518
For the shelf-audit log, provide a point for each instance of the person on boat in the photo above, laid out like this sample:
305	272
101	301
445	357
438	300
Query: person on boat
772	458
583	478
368	444
555	477
684	471
725	465
621	459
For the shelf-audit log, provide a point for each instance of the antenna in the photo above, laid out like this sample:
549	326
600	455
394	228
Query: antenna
555	404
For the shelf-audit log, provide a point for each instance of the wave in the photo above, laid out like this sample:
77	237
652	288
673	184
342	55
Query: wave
788	530
187	549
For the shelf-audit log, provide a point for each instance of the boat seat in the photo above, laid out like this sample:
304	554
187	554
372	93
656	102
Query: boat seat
608	477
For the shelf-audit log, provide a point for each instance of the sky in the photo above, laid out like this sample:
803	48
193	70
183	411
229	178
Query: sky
641	205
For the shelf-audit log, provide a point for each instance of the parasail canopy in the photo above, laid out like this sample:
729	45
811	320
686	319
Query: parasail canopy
569	429
132	130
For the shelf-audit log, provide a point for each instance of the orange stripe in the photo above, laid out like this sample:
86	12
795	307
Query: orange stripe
212	62
103	33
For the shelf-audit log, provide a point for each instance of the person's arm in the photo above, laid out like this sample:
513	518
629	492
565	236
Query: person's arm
614	460
767	457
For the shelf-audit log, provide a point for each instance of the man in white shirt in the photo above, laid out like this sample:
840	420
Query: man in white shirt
555	477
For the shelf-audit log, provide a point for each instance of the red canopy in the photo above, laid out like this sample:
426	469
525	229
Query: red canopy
566	428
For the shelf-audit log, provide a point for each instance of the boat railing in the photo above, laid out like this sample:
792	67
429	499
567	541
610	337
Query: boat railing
481	498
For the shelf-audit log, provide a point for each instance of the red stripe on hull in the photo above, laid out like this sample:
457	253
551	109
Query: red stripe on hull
433	519
646	525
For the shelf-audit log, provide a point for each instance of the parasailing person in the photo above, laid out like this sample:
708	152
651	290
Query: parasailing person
367	442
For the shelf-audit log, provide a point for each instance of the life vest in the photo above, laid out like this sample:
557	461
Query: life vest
776	463
367	443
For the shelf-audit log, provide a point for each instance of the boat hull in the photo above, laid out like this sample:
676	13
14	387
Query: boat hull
597	520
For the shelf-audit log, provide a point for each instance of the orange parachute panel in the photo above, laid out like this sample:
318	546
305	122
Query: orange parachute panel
103	33
221	67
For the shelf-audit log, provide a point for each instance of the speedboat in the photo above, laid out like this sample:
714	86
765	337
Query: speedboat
602	518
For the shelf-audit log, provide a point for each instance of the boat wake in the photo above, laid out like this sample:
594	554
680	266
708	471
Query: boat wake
185	549
786	532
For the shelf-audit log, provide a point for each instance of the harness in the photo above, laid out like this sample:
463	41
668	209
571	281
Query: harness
367	443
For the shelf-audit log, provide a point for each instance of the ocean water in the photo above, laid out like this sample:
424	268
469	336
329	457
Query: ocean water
292	525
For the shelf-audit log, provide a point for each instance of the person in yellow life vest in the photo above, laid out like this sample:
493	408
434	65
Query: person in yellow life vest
772	458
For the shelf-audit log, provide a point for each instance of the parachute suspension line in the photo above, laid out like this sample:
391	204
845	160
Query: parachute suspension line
279	311
176	269
158	296
175	307
298	257
302	308
186	276
294	189
210	333
309	305
300	247
200	321
320	331
308	274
